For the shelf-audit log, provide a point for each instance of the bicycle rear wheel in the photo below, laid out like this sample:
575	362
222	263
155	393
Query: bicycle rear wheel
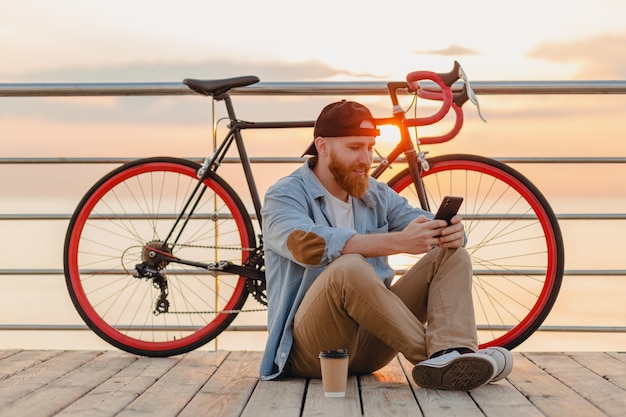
514	241
134	206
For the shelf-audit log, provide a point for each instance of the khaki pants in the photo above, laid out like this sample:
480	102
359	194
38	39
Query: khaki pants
428	309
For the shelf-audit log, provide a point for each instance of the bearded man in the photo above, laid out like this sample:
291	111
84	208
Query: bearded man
328	231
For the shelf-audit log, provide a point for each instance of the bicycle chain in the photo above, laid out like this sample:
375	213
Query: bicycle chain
251	310
214	247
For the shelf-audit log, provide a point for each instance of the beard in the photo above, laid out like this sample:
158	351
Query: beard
355	185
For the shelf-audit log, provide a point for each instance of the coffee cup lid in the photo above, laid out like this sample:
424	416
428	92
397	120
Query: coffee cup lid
339	353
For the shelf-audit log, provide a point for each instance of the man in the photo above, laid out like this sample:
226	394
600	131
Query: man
328	230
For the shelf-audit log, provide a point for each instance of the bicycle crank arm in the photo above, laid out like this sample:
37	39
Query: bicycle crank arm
244	271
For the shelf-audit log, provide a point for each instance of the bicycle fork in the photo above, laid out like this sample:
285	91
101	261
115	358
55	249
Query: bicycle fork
417	164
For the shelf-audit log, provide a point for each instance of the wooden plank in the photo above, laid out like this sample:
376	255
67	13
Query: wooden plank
441	403
503	399
40	375
111	397
5	353
61	392
229	389
547	393
169	395
277	398
621	356
315	404
387	392
603	394
20	360
607	365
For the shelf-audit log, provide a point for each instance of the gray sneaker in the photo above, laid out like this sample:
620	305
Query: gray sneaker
453	371
504	361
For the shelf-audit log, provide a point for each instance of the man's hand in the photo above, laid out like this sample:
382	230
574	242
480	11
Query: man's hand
452	236
423	234
419	236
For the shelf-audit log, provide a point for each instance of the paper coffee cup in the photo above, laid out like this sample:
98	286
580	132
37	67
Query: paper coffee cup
334	364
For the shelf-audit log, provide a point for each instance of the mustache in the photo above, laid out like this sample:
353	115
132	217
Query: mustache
360	167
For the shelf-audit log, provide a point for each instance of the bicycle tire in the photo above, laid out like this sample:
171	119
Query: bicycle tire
137	204
514	241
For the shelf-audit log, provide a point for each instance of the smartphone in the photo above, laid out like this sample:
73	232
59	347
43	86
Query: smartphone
449	207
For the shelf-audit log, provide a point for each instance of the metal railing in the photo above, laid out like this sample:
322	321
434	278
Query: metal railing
312	89
306	88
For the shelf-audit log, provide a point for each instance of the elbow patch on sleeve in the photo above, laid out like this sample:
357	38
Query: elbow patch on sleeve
306	247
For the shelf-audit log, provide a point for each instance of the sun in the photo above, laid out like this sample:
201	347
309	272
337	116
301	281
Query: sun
389	134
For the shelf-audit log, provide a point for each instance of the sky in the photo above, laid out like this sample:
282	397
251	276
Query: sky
67	41
156	40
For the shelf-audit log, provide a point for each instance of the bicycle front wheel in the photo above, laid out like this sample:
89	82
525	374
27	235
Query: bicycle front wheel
114	227
514	241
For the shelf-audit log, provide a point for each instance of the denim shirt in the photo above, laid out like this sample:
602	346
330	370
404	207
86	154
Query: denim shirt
299	242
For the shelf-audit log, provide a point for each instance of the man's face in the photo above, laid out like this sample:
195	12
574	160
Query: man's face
350	162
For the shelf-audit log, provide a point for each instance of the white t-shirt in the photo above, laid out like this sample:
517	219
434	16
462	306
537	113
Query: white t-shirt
340	212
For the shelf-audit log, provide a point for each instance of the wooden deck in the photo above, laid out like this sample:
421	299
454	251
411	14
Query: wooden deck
111	383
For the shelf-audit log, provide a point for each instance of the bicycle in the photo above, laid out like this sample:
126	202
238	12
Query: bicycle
161	253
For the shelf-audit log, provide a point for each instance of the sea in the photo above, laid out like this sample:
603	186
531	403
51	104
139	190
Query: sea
38	177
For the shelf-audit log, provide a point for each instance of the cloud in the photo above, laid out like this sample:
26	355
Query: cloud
452	50
173	71
598	57
152	109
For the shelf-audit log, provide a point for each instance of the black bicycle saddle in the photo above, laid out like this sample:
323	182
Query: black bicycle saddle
218	87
